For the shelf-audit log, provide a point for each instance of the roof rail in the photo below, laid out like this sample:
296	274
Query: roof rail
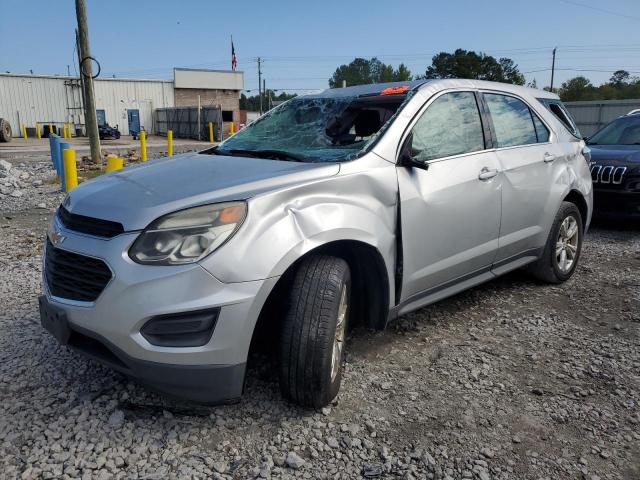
635	111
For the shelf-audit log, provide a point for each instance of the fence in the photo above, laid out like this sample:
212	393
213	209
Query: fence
590	116
184	121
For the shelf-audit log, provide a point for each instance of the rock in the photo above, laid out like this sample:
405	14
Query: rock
116	419
42	205
36	183
326	411
371	470
16	193
220	467
5	166
332	442
294	460
485	452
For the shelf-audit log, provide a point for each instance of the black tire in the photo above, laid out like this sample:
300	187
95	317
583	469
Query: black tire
308	331
546	268
5	130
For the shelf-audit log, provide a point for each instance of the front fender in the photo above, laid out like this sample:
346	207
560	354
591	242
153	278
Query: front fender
284	225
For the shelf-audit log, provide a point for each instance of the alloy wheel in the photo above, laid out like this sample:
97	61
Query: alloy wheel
567	244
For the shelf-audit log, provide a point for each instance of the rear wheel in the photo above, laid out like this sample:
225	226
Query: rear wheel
314	331
562	251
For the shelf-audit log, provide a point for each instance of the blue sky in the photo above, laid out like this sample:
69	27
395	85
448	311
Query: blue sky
303	42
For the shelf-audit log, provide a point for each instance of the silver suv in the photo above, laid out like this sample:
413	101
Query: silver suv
353	205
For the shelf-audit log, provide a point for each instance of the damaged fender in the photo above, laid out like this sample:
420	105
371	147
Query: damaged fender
359	204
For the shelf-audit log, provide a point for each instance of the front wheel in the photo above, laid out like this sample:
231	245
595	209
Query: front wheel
314	331
562	251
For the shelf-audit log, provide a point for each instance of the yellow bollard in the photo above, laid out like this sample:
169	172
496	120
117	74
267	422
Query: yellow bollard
113	164
231	128
69	131
65	132
38	136
70	171
24	131
50	129
170	142
143	146
210	132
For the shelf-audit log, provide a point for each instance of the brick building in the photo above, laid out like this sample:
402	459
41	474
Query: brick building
210	88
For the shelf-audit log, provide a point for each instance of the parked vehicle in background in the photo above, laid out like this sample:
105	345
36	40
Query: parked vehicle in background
615	167
354	205
107	131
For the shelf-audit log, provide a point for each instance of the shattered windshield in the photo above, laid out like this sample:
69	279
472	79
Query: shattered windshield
315	129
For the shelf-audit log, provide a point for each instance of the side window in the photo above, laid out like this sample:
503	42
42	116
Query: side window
450	126
511	119
542	132
561	113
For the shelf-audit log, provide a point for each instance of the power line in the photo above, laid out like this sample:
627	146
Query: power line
598	9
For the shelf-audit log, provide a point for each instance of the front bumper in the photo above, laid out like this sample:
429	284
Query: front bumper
108	329
209	384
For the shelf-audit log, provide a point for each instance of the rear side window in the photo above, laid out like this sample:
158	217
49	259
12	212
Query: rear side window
512	120
450	126
561	113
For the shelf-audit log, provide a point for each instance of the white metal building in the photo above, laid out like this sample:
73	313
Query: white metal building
47	99
27	99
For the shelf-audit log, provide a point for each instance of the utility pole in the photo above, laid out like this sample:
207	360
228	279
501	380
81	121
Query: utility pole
260	85
86	71
553	68
264	92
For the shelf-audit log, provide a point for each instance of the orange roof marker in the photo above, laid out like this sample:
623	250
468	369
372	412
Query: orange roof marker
394	90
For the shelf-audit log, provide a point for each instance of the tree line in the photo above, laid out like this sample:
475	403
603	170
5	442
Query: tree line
269	97
479	66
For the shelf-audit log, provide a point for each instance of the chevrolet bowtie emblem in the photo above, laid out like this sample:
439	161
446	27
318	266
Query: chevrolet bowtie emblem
56	238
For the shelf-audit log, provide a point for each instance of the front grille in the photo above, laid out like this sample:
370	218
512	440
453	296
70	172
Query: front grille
89	225
73	276
607	174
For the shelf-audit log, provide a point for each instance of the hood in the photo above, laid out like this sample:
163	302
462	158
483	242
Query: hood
616	155
139	194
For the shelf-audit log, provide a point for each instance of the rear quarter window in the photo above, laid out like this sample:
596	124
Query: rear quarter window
557	108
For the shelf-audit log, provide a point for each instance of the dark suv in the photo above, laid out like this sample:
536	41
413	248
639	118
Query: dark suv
615	168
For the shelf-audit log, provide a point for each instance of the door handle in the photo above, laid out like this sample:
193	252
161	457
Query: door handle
549	157
486	173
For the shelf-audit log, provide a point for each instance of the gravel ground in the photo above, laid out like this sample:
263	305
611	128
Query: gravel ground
510	380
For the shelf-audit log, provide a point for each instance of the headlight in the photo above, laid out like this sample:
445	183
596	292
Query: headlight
188	235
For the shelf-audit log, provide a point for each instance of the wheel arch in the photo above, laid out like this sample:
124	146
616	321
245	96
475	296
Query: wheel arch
574	196
370	289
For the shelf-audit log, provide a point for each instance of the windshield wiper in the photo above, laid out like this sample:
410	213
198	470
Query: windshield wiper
270	154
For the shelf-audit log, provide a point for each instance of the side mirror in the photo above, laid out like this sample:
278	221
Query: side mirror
406	157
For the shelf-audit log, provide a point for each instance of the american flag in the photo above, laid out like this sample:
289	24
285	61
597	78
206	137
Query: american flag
234	60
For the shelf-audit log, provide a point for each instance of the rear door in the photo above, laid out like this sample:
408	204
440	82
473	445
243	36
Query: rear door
529	162
133	118
450	211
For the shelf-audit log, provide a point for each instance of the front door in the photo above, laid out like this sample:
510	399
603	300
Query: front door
133	118
450	211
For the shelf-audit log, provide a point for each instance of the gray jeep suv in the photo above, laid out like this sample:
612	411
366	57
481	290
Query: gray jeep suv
352	205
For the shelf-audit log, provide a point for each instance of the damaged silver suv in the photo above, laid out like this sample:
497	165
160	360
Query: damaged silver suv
354	205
